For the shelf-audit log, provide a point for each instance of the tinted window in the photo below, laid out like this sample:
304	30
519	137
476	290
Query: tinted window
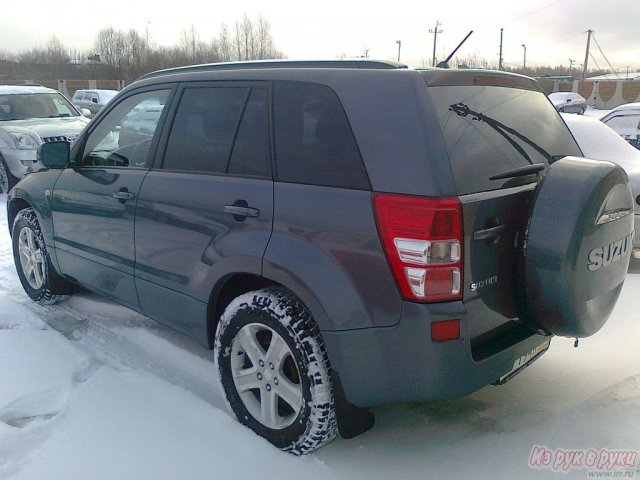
123	138
250	154
489	130
313	138
220	130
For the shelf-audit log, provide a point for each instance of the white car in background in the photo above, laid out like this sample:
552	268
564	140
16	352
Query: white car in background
93	100
599	142
625	120
29	117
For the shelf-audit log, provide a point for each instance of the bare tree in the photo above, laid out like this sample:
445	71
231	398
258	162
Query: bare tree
253	40
128	54
189	40
224	44
111	46
53	53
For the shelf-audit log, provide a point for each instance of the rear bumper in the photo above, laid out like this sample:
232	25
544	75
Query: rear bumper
401	364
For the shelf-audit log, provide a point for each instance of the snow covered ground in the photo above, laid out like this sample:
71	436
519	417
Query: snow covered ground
92	390
595	113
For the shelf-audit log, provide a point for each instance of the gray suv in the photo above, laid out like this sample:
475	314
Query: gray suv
29	116
342	234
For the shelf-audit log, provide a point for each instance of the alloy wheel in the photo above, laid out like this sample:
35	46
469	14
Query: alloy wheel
266	376
31	258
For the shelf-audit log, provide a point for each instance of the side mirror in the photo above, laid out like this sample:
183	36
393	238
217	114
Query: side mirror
54	154
86	112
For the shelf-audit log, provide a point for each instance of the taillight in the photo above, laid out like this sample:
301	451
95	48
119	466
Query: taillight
422	239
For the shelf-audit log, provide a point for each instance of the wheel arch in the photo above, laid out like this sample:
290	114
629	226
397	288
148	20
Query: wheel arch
235	284
223	293
13	207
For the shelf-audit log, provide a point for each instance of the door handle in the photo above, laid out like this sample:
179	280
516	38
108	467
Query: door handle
123	195
240	211
488	233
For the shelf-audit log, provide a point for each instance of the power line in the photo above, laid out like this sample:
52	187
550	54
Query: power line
570	38
605	57
535	11
596	62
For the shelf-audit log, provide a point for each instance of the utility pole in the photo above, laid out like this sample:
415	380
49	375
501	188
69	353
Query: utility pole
500	57
571	62
524	60
586	55
435	32
399	42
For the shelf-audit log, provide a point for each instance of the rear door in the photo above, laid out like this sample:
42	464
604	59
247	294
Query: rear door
206	210
491	127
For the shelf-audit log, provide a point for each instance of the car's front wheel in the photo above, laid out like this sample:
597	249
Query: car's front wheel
274	370
38	277
7	179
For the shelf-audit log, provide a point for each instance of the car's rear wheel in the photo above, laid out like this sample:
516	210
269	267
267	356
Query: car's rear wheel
7	179
274	370
38	277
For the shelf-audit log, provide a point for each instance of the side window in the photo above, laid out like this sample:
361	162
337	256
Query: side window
625	124
313	138
123	137
250	155
220	130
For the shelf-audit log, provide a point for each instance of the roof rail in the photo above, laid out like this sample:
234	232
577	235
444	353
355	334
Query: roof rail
261	64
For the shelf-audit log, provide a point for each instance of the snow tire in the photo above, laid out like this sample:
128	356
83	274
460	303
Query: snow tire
50	288
277	310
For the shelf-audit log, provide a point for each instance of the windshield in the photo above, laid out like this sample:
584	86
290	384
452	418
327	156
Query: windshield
490	130
24	106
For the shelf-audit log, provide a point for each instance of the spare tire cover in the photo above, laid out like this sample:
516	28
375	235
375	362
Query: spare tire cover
577	246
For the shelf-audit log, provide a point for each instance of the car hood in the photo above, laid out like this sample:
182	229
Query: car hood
69	127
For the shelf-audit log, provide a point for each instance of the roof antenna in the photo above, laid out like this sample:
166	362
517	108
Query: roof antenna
445	62
575	344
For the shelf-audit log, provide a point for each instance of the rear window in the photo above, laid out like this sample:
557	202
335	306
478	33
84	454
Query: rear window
489	130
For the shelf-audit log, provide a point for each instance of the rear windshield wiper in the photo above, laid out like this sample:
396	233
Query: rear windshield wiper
520	171
463	110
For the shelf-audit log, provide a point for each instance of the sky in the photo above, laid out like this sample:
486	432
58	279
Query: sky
554	31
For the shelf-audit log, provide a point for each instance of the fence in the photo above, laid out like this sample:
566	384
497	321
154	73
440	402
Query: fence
601	94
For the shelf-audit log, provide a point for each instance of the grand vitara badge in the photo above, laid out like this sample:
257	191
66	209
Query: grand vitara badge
606	255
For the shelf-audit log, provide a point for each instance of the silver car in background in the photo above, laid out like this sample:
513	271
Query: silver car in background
568	102
29	117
